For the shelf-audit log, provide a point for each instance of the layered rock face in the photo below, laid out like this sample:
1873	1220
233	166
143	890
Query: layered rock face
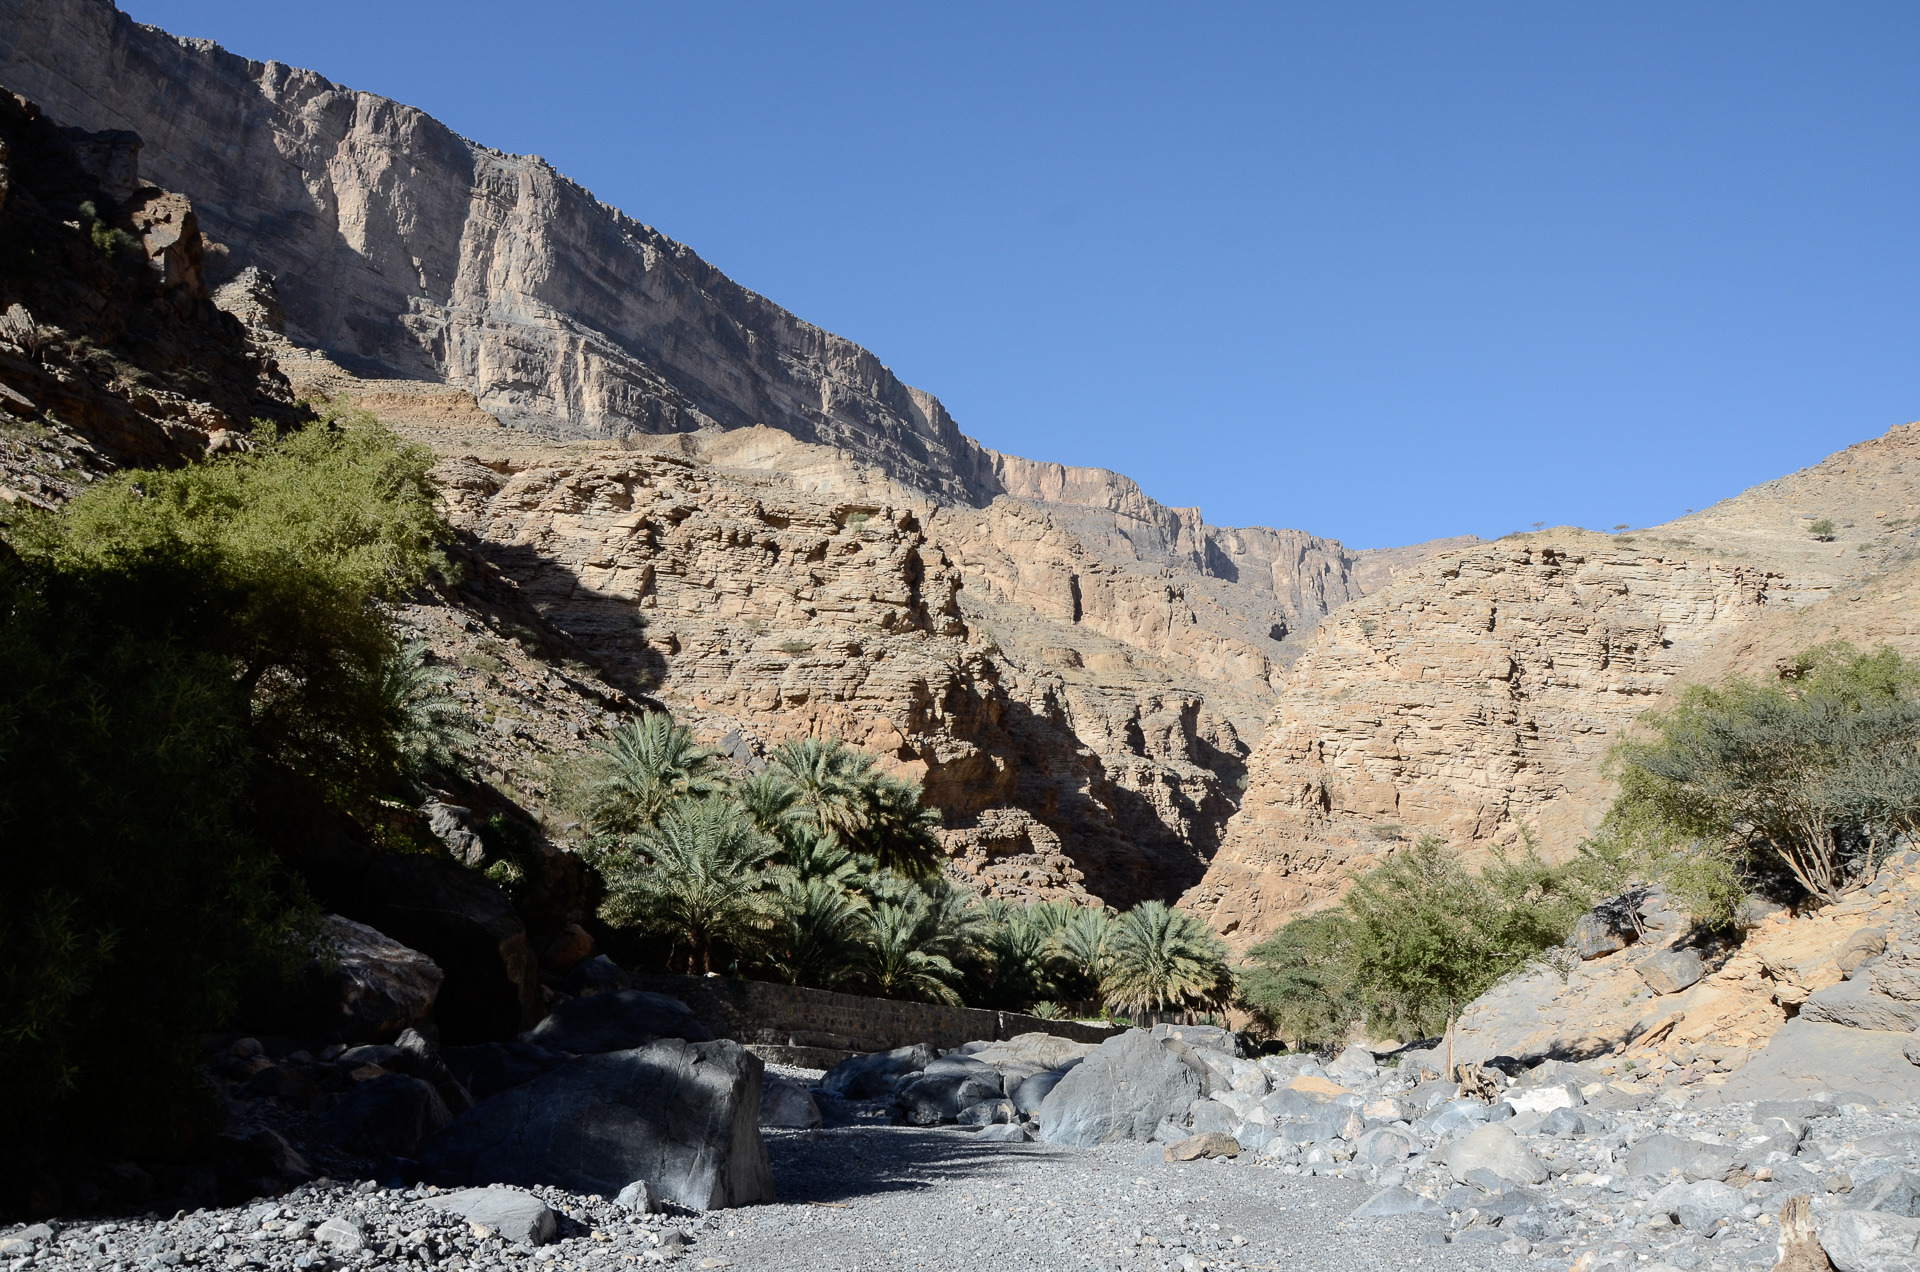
1470	699
1477	692
759	612
400	246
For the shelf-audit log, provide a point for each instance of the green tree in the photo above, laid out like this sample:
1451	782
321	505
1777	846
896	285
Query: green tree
1300	982
174	644
768	798
821	944
913	938
647	765
702	875
1079	947
432	727
830	782
1162	959
1817	771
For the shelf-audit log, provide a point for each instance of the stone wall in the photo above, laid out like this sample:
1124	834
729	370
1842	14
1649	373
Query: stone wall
789	1016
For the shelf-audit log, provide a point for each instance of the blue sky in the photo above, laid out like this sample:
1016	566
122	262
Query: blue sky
1380	271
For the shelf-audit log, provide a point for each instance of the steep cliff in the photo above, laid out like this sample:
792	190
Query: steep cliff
1478	692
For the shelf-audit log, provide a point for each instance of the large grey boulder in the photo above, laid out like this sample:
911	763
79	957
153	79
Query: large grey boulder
617	1021
873	1076
388	1116
1659	1156
1870	1241
1671	971
684	1116
786	1105
1498	1150
1698	1206
1385	1146
412	1054
1355	1064
513	1215
1121	1091
378	986
1895	1193
1595	936
1212	1037
1805	1057
1854	1003
928	1099
1029	1093
488	1068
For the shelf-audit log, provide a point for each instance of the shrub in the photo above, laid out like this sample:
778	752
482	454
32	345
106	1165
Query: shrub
1816	772
1822	530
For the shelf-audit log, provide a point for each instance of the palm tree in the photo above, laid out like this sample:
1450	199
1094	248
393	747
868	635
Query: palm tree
830	780
644	767
821	943
768	798
1016	941
1163	958
430	725
913	938
811	854
1079	947
902	833
702	876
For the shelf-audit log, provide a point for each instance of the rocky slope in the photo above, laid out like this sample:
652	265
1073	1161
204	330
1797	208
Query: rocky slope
1478	692
111	350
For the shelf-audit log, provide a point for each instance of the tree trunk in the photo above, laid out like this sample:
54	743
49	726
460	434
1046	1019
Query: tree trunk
1451	1076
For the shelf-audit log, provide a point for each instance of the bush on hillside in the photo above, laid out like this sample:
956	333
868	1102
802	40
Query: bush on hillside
1813	774
166	642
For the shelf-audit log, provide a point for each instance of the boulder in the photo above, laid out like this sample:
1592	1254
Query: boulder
1391	1202
596	975
1854	1003
414	1056
617	1021
488	1068
1496	1149
1385	1146
962	1066
1870	1241
1897	1192
567	949
375	986
787	1105
1211	1115
341	1235
1567	1124
1121	1091
1355	1064
1671	971
1004	1133
1863	944
388	1116
684	1116
510	1214
1659	1156
928	1099
1212	1037
988	1113
1544	1099
1044	1050
468	927
1698	1206
1205	1144
873	1076
1594	936
1029	1093
638	1199
1804	1057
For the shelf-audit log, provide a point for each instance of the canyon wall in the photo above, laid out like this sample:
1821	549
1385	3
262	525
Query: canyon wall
1477	692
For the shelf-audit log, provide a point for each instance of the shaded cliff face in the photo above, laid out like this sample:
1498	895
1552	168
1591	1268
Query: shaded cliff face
112	353
1478	692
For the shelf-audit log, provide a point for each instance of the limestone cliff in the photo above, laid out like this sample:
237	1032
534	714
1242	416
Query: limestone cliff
1478	692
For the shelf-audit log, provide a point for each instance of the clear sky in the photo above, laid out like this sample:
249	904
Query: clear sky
1380	271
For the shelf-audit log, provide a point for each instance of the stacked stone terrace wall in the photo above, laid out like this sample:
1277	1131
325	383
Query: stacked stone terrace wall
762	1014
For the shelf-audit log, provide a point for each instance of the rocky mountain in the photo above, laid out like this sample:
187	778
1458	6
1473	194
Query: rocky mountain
1477	693
455	288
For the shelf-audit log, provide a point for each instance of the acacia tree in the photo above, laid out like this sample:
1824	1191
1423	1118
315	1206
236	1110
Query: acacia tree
1817	771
